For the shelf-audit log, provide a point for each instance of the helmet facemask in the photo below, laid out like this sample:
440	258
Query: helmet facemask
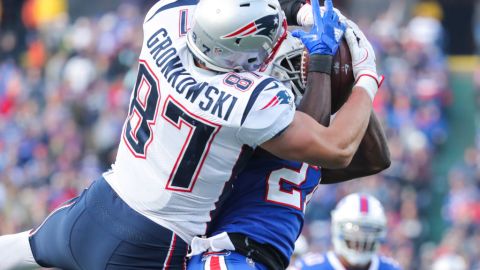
286	66
359	226
357	242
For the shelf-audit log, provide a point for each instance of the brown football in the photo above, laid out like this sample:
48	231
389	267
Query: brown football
341	77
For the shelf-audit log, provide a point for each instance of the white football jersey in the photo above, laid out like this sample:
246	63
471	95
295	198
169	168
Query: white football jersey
188	130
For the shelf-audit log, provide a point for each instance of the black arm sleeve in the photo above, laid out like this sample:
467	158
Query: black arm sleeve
291	7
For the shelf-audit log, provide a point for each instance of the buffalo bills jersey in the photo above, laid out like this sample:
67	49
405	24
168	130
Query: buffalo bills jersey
330	261
268	201
187	129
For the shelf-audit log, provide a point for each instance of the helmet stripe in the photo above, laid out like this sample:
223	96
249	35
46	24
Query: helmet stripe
363	205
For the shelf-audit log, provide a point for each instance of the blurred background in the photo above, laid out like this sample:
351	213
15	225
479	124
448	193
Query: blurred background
67	68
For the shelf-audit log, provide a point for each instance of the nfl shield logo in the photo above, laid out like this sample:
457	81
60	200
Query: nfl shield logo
217	51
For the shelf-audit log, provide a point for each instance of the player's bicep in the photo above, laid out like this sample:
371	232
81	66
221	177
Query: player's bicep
307	141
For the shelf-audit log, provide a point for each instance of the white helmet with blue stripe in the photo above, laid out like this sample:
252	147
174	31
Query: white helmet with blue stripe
358	227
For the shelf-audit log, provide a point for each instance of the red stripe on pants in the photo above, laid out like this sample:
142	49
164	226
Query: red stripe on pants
215	263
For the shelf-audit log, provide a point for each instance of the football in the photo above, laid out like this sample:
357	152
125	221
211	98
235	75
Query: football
341	76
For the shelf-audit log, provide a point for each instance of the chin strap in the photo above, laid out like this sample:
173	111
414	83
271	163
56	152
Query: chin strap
370	82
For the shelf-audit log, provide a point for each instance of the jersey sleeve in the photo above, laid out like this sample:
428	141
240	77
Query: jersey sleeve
269	111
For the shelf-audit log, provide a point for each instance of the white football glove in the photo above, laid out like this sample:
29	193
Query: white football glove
305	15
363	60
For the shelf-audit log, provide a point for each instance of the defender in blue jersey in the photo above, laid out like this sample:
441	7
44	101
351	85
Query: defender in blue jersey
257	225
359	225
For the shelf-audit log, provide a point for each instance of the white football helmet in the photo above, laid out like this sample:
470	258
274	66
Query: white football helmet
358	226
286	65
236	35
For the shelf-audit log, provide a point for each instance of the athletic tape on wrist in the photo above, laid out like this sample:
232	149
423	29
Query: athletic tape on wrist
369	83
320	63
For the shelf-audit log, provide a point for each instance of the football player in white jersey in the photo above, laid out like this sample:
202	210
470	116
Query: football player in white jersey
196	112
359	225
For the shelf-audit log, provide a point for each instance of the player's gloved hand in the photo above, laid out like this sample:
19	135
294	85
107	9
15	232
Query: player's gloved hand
326	32
305	15
363	60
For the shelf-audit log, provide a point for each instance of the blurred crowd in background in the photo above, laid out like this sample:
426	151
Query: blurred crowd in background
65	84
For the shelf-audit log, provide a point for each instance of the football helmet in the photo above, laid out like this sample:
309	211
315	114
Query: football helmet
358	227
286	65
236	35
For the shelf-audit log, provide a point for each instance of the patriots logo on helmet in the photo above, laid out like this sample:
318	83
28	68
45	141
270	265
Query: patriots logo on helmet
264	26
281	97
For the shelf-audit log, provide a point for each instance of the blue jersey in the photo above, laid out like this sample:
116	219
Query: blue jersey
330	261
267	202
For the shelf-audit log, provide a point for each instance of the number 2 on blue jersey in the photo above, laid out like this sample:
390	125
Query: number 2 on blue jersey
293	179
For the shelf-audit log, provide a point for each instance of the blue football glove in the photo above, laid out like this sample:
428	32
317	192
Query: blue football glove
326	32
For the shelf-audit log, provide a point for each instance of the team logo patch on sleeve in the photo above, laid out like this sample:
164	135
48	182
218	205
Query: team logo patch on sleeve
282	97
264	26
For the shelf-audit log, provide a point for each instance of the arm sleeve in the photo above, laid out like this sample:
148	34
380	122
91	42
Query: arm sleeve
291	7
271	113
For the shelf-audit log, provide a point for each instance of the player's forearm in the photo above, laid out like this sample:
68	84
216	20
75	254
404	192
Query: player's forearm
371	157
374	147
350	123
316	101
335	146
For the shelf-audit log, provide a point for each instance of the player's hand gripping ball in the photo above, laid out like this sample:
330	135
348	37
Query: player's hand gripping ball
341	77
325	38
